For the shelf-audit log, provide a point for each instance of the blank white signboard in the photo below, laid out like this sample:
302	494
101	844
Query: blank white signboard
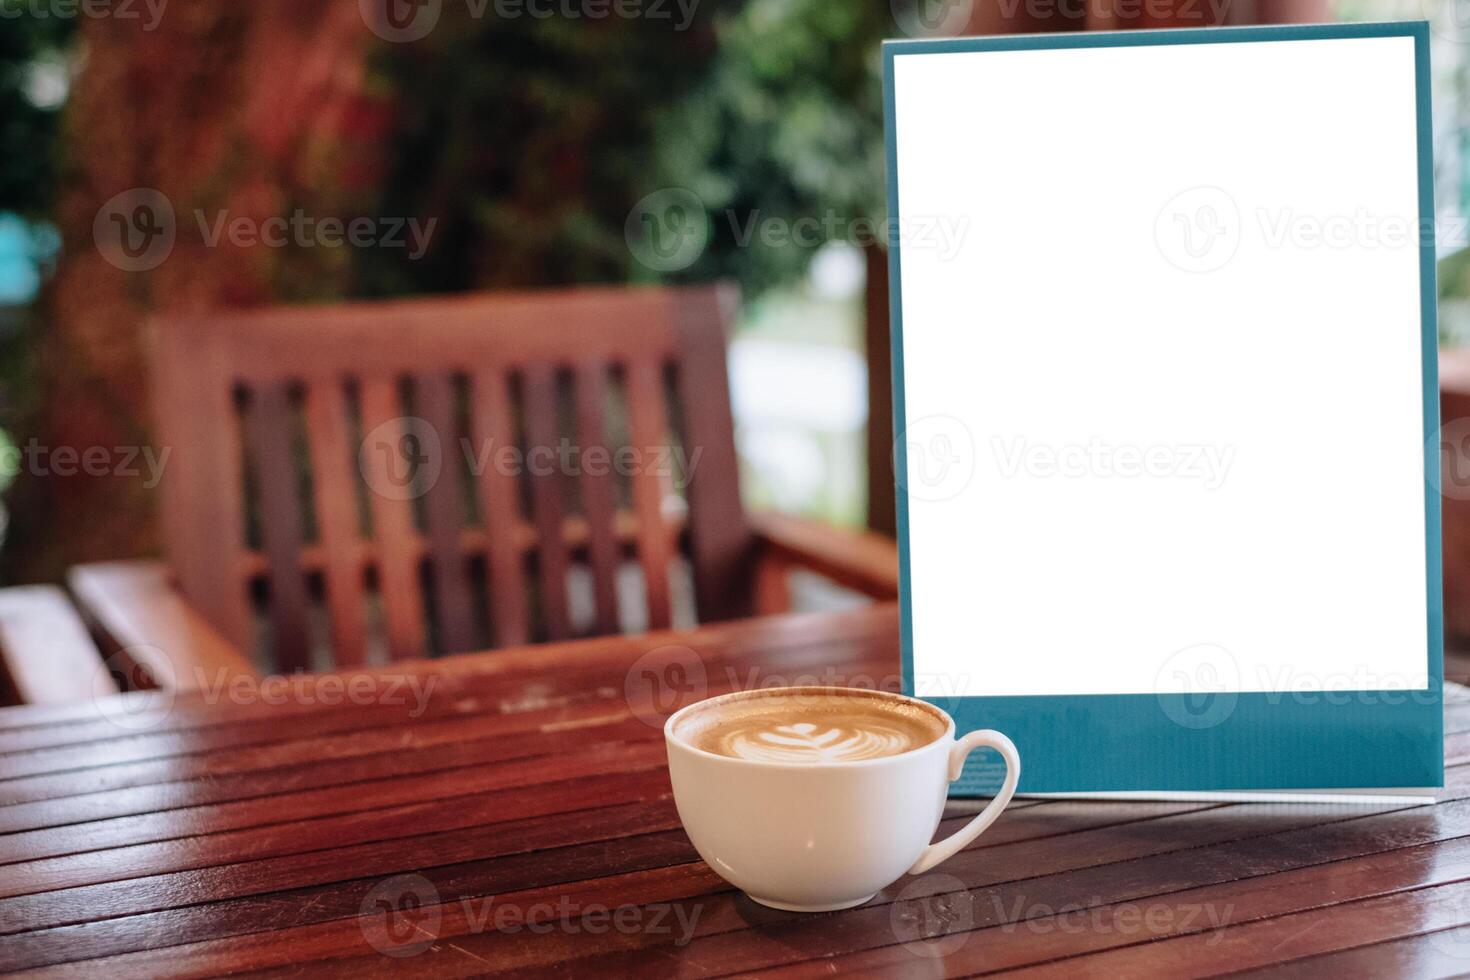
1161	367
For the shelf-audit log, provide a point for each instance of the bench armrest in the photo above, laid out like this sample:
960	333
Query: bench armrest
46	656
858	560
134	608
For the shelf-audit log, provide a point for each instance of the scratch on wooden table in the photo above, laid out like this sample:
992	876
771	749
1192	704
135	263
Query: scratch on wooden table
574	723
1298	934
477	959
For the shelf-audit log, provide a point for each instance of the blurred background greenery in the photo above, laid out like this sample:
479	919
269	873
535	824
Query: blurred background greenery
529	140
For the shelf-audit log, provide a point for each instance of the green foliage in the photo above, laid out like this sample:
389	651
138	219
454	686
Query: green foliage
28	132
786	125
527	138
531	139
28	157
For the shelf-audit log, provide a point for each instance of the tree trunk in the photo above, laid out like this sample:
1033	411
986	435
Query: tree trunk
145	113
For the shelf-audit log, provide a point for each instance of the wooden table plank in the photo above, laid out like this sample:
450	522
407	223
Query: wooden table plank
278	746
1284	937
1117	911
1054	818
995	892
491	768
244	836
1442	953
461	807
784	649
252	785
592	718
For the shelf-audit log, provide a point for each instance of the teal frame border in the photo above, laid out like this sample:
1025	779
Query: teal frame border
1248	741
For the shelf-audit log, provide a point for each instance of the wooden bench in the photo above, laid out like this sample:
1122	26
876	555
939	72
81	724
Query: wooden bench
145	635
46	656
151	635
297	528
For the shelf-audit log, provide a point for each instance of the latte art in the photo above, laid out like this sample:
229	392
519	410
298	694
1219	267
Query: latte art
810	726
809	742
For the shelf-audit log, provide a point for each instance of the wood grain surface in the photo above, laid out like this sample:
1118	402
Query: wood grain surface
511	812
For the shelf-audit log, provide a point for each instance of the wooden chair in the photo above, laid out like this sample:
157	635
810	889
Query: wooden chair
418	477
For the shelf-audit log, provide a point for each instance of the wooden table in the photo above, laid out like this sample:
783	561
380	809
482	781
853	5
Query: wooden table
519	819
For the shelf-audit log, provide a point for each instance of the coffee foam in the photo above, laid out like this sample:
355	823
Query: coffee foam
810	725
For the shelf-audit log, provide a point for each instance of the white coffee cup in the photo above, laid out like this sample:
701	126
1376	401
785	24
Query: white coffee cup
819	836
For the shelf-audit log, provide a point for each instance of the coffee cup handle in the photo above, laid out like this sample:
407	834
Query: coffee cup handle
942	851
